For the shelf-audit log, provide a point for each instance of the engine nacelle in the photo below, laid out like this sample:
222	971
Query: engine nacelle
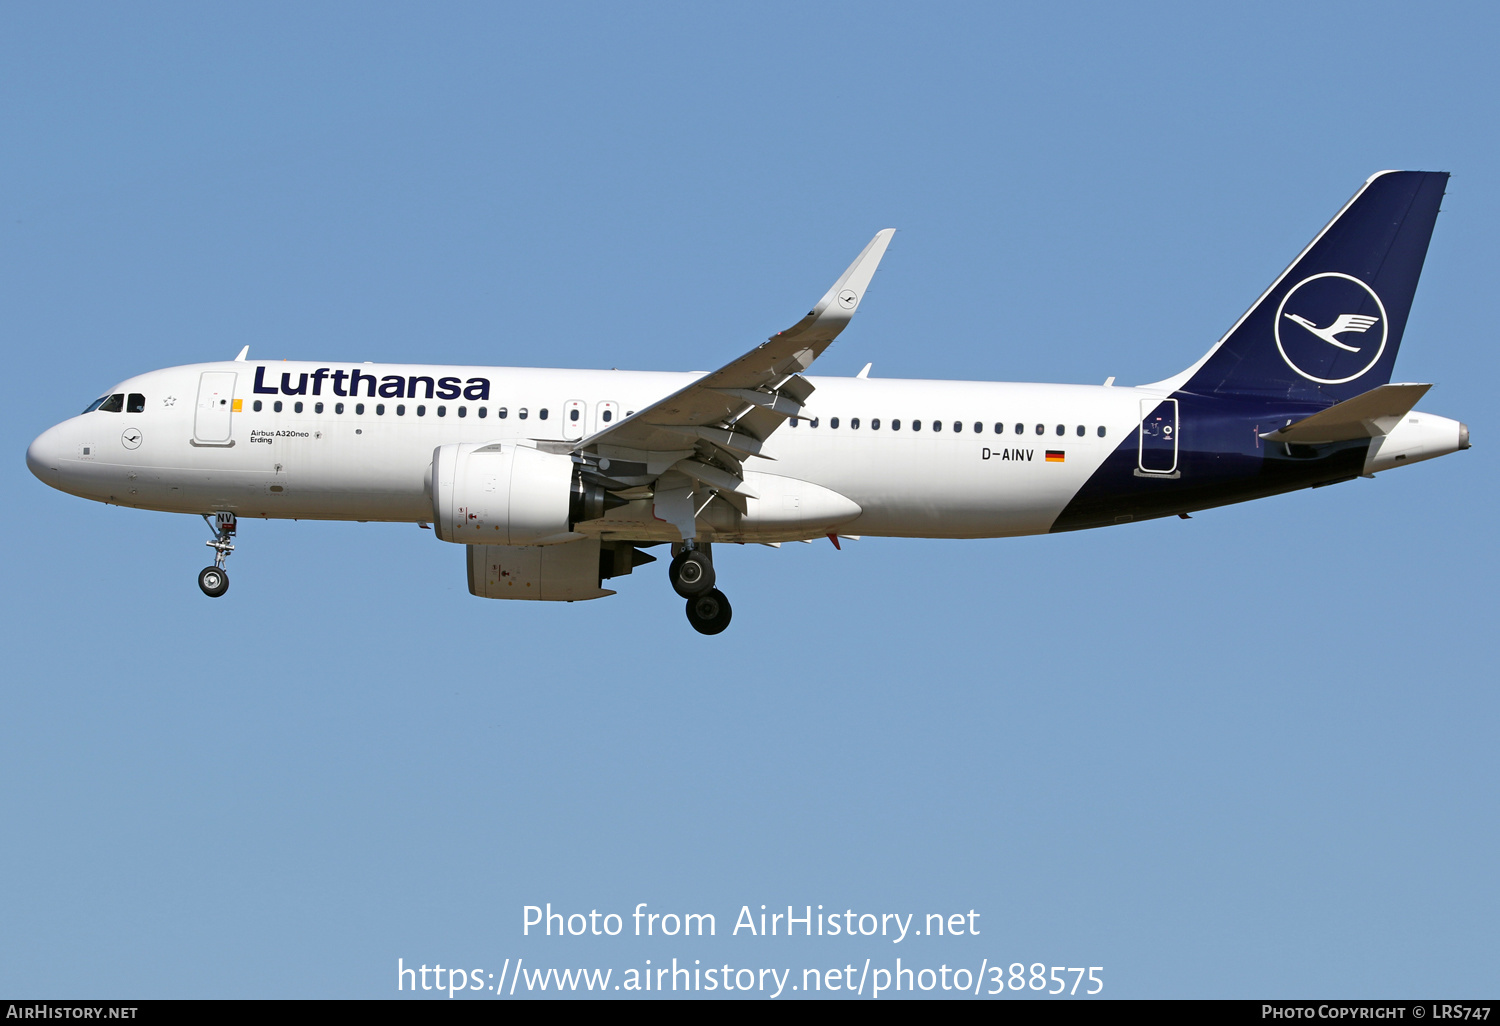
506	494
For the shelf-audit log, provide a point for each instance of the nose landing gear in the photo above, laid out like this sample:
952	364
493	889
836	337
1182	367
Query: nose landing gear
212	579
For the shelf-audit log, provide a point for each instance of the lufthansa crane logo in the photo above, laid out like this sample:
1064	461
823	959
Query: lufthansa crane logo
1331	328
848	298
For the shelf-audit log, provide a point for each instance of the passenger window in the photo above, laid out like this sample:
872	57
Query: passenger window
937	425
916	425
521	413
114	404
317	407
297	406
442	411
999	429
609	415
1061	430
421	411
359	408
1080	430
400	409
276	406
957	426
1101	431
463	411
978	428
875	424
573	415
1020	429
501	413
795	421
136	403
257	406
337	407
380	409
1041	429
630	413
833	422
896	425
483	412
813	422
854	424
542	413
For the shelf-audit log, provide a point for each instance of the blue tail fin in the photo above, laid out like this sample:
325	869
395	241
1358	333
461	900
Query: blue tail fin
1329	327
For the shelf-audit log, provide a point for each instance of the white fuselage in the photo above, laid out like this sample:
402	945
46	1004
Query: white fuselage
954	477
915	458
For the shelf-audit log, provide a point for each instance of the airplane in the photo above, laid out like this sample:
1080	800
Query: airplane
557	480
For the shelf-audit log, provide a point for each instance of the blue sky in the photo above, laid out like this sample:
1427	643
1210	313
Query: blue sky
1247	754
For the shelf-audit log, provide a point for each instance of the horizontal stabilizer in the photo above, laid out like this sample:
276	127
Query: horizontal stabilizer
1368	415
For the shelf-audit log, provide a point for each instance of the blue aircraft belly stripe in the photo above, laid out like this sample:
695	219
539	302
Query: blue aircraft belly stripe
1221	459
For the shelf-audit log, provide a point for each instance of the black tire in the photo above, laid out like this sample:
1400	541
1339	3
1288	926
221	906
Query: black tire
213	581
691	573
710	612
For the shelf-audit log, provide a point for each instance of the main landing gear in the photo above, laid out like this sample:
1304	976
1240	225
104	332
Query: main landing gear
709	613
692	575
212	579
691	571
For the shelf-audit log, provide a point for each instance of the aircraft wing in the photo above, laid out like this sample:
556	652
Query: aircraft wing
705	431
739	405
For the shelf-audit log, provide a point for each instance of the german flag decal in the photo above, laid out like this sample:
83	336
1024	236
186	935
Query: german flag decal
1055	456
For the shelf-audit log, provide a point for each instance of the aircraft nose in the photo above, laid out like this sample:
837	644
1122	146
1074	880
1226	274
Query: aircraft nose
44	454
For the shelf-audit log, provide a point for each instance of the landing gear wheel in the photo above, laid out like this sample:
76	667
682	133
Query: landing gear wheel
212	579
709	613
692	574
215	582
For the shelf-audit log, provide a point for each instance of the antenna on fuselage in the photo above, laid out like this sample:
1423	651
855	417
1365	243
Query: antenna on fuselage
243	353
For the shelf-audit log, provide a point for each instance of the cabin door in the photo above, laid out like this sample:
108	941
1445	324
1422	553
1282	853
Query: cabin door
211	421
1158	444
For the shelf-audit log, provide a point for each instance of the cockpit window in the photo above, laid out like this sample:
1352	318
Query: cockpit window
96	404
135	403
114	404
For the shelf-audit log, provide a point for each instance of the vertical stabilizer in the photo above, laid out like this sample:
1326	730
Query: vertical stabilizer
1329	327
